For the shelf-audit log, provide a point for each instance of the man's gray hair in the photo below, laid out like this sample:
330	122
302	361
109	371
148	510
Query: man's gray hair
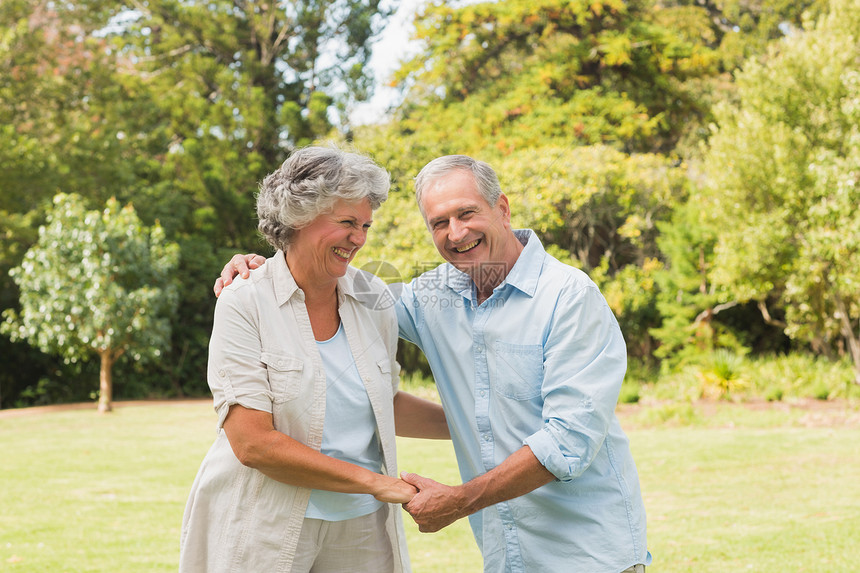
309	183
485	178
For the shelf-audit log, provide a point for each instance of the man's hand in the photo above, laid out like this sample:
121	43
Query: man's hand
435	505
238	265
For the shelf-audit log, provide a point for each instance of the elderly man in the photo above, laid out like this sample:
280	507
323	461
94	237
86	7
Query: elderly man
528	361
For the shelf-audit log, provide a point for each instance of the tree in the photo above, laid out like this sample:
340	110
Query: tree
517	74
783	185
599	209
225	90
56	91
737	29
234	87
95	282
179	106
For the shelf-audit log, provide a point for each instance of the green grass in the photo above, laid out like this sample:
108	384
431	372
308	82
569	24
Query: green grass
764	500
725	488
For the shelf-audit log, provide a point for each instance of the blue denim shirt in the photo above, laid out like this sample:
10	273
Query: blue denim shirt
539	363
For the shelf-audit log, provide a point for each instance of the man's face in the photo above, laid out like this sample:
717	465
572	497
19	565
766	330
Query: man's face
466	229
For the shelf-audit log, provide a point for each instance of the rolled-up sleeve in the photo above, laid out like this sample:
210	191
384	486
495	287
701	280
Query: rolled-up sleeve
584	364
236	372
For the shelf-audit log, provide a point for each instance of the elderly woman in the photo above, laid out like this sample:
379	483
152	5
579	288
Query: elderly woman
302	472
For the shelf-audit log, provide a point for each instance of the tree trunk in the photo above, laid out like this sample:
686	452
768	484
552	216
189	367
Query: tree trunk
106	382
850	336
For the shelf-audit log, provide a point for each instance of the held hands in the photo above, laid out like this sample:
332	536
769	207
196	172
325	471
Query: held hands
238	265
393	490
435	505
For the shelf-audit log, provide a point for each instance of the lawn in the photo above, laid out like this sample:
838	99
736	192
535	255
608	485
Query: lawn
725	487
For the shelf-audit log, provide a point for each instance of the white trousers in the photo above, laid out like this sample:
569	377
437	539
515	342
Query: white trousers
350	546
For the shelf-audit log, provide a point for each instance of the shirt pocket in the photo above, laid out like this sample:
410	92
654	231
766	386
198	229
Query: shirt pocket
285	375
519	370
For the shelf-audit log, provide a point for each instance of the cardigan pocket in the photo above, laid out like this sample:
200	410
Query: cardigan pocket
285	375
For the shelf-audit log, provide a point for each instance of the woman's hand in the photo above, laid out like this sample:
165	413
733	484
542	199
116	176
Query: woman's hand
394	490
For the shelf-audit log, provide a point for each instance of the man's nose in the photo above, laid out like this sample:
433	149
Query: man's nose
457	231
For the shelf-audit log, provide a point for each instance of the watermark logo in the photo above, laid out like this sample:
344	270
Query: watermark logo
492	272
374	297
434	290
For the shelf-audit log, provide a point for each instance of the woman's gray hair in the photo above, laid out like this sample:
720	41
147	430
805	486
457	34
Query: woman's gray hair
309	183
485	178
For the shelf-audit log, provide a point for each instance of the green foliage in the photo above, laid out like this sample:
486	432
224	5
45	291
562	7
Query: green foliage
671	415
95	282
599	209
257	75
630	393
727	374
67	124
224	91
632	295
736	29
687	296
180	107
518	74
724	375
799	375
782	184
595	202
591	112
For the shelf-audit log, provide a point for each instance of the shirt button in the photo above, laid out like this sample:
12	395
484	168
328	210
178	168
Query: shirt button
487	437
483	393
222	373
479	349
509	526
281	363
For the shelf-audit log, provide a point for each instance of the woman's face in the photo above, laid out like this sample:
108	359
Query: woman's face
323	249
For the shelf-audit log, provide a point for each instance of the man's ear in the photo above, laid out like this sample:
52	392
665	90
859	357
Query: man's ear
504	207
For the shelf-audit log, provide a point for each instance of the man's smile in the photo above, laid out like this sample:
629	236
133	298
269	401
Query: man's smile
467	246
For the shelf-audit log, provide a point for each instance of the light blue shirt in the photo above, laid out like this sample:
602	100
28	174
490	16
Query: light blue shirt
539	363
349	433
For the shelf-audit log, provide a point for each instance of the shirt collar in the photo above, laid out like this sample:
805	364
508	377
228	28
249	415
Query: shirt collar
523	276
346	283
285	284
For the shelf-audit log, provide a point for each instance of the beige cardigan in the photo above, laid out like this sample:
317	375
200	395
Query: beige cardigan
262	355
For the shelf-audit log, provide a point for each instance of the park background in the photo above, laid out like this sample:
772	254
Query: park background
699	159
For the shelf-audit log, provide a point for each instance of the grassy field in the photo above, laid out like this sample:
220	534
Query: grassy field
726	487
